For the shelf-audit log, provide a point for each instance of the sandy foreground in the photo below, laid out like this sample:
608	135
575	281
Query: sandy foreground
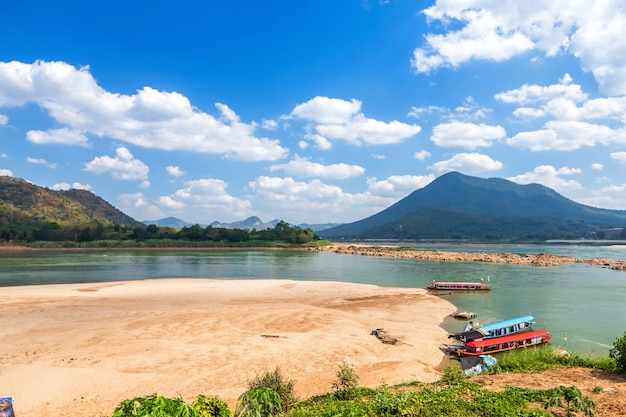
80	349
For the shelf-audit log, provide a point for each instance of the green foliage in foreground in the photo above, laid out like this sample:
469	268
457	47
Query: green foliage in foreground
156	406
618	352
454	395
543	357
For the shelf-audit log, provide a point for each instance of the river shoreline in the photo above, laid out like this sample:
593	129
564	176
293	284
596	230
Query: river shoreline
541	259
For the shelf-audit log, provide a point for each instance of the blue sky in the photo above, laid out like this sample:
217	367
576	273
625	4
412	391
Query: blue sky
310	111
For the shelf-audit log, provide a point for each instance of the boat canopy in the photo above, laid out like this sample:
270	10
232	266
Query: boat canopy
523	322
480	343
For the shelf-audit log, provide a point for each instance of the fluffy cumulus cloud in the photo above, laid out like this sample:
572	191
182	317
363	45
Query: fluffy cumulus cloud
571	119
466	135
207	200
467	163
64	186
174	171
314	201
336	119
3	119
500	30
303	167
123	166
6	172
550	177
398	185
63	136
149	118
618	156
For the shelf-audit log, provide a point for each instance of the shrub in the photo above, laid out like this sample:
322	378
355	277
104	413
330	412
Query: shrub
618	352
277	382
347	381
261	402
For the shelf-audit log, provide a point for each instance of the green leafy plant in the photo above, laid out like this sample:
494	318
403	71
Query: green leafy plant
261	402
155	406
277	382
618	352
347	381
211	407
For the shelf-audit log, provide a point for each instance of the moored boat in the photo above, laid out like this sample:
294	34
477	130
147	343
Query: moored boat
502	344
497	329
459	286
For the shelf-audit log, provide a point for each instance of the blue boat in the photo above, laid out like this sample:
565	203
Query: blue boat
498	329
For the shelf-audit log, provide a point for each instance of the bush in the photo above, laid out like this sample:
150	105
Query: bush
347	381
277	382
618	352
261	402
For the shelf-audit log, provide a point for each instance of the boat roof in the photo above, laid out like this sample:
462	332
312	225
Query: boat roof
505	339
458	283
508	323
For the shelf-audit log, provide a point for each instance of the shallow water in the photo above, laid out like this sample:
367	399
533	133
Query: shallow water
585	303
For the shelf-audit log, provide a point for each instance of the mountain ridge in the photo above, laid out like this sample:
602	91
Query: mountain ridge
491	208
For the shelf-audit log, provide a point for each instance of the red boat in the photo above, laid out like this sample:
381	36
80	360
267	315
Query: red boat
459	286
501	344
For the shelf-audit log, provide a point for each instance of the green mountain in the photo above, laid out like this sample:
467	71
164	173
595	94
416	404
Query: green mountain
457	206
23	204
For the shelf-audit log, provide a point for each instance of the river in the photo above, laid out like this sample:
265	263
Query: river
582	306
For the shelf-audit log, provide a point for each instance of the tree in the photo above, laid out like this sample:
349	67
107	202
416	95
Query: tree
618	352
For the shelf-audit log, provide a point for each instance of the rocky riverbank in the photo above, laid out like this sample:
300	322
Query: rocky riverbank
541	259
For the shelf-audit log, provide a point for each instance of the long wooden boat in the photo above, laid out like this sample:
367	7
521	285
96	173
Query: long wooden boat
502	344
459	286
497	329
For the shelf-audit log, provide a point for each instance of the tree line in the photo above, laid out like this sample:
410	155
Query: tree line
53	232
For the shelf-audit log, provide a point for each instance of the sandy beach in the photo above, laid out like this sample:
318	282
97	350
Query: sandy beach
80	349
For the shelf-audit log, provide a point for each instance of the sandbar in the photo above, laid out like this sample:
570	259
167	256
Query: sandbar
80	349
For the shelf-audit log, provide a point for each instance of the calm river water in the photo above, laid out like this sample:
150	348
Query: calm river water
588	304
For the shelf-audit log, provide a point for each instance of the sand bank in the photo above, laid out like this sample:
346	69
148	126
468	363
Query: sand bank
80	349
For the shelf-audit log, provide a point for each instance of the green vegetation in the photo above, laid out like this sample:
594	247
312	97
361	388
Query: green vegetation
275	381
454	395
543	357
618	352
156	406
53	235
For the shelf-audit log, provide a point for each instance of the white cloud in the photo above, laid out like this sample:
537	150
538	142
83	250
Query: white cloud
466	135
3	119
206	200
170	203
619	156
326	110
597	166
303	167
123	166
75	185
421	155
149	118
500	30
314	201
467	163
174	171
5	172
611	197
63	136
567	136
536	93
399	185
40	162
336	119
319	141
550	177
138	207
